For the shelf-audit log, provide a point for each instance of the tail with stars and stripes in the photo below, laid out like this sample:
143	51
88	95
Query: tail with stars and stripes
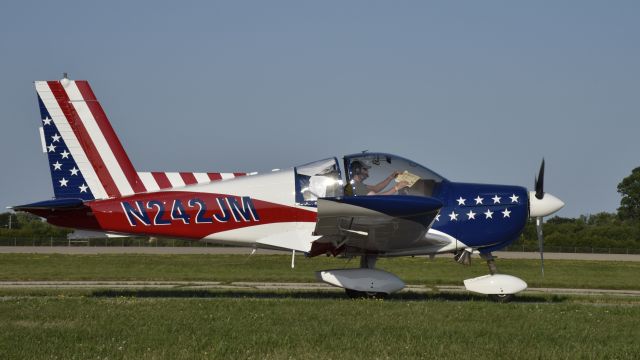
86	159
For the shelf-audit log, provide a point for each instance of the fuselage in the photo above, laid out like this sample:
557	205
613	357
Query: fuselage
244	210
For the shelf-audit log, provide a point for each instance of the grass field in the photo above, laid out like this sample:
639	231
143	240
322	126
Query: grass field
283	325
202	324
276	268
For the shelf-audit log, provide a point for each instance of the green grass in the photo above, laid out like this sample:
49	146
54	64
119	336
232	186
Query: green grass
276	268
279	325
204	324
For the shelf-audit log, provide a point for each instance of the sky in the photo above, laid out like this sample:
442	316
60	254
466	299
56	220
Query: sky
478	91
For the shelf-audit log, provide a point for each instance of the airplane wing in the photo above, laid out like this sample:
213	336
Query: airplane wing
376	224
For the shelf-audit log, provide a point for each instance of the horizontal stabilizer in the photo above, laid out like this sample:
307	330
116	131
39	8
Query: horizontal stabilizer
57	204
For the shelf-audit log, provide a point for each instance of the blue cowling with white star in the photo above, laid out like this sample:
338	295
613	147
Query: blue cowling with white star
68	181
490	216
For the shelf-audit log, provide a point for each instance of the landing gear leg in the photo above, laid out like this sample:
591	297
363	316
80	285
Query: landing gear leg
368	261
491	263
493	269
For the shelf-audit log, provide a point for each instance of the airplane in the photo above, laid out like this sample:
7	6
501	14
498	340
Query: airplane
370	205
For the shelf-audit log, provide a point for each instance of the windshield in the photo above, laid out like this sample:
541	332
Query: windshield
385	174
317	179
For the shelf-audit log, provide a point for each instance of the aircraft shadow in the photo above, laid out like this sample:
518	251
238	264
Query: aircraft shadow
301	294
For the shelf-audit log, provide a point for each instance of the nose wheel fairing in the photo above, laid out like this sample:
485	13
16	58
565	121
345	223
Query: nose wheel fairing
495	284
499	287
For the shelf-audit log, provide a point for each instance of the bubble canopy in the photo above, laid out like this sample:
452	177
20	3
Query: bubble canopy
364	174
378	173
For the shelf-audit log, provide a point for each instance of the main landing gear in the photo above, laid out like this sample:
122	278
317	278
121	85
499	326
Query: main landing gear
366	262
363	282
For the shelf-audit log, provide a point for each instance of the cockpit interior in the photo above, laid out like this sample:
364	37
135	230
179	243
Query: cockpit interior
364	174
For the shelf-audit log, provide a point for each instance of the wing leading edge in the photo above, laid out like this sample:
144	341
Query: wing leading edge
376	224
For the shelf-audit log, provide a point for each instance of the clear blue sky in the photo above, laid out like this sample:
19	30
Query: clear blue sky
479	91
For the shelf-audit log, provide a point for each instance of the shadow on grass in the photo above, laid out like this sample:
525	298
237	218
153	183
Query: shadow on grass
317	295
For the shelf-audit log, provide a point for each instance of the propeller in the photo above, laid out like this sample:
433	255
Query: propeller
539	184
541	205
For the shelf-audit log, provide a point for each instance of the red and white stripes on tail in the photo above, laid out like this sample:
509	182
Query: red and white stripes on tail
155	181
95	147
91	140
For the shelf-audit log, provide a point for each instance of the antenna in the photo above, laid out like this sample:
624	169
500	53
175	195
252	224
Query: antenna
65	80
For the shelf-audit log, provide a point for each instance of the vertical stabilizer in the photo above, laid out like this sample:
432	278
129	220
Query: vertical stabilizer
86	159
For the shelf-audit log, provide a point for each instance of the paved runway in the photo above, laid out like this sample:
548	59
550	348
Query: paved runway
246	251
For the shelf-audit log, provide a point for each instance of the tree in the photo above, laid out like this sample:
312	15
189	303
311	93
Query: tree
629	188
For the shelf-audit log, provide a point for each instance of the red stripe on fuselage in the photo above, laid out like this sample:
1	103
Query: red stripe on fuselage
111	137
214	176
239	174
112	217
84	139
188	178
162	180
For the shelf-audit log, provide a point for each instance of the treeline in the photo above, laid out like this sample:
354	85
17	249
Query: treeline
25	225
602	230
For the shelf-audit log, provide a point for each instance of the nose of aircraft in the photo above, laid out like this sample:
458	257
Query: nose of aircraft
545	206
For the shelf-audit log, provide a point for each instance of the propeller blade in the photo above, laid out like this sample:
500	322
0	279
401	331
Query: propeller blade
540	182
540	242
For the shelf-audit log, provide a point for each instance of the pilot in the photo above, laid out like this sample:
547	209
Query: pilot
360	172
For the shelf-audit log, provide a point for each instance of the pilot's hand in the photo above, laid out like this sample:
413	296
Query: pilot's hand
401	185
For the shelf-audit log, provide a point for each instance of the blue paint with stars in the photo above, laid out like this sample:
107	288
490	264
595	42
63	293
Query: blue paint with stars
67	179
479	215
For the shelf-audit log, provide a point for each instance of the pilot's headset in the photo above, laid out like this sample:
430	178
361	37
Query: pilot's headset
357	167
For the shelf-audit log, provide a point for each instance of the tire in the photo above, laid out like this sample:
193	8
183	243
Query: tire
355	294
501	298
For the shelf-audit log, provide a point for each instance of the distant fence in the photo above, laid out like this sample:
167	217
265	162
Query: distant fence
572	249
163	242
124	241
